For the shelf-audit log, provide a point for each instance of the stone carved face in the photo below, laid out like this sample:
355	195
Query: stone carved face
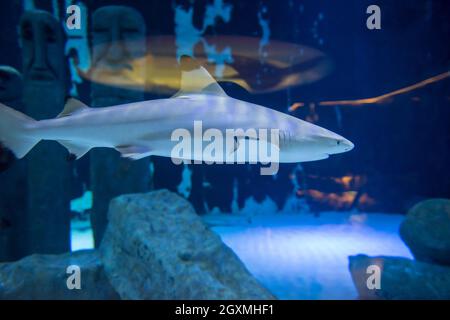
10	84
118	41
42	40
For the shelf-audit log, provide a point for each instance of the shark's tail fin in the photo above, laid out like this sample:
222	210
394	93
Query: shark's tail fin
13	133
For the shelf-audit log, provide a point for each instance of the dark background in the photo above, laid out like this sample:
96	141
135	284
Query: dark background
402	145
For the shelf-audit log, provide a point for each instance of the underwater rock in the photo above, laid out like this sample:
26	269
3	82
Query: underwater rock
45	277
401	278
157	247
426	231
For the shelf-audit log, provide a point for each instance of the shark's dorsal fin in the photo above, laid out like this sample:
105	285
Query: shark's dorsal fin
72	106
195	79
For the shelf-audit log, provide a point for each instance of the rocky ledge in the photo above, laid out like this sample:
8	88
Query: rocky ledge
426	231
157	247
46	277
400	278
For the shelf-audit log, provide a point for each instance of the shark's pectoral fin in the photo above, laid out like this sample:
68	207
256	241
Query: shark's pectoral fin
195	79
134	152
72	106
77	150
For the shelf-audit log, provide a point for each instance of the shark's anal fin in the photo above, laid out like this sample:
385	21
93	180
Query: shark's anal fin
134	152
75	149
195	79
72	106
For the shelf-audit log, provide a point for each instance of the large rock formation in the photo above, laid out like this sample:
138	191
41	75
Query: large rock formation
45	277
426	231
157	247
401	278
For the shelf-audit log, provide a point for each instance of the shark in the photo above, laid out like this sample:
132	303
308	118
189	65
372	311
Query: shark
142	129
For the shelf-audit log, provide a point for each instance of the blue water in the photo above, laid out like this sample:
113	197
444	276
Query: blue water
386	90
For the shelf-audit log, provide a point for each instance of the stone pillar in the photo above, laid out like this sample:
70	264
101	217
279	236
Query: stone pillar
13	178
118	46
47	222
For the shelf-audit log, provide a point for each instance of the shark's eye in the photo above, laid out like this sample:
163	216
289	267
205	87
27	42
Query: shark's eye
338	142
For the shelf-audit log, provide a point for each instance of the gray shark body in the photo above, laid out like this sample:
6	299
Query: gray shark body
141	129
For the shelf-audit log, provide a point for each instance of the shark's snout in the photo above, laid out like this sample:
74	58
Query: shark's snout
344	144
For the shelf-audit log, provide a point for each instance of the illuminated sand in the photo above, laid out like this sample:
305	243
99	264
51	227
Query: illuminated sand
300	256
